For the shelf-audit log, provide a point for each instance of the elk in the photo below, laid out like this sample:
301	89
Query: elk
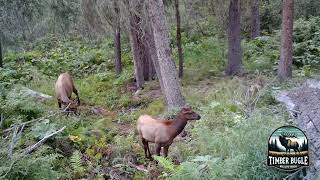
162	132
64	87
289	143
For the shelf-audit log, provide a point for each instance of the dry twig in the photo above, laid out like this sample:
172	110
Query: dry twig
31	148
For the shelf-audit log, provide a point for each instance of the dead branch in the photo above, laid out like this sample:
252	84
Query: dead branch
1	120
34	120
137	167
31	148
15	137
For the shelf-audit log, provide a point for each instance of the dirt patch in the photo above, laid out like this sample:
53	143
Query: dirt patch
303	104
124	129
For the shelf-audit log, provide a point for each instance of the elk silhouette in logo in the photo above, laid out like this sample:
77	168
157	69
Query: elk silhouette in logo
287	140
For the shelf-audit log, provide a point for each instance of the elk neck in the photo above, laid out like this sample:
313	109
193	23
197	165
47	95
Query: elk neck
178	125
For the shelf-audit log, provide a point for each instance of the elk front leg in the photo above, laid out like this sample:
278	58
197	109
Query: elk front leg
165	151
158	149
59	104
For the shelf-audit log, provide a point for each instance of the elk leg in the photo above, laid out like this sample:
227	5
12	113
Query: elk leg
165	151
158	149
59	104
145	147
149	153
76	92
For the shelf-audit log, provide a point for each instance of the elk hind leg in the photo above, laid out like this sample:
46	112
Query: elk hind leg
75	91
145	147
147	152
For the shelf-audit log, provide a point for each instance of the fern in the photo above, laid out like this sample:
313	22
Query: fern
166	164
76	164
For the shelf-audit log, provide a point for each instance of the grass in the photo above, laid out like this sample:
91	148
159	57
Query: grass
229	142
226	132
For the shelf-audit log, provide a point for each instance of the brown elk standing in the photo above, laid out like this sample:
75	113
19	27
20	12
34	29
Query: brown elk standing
162	132
64	87
289	143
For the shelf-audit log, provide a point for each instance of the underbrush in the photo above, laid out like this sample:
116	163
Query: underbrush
230	140
52	55
203	59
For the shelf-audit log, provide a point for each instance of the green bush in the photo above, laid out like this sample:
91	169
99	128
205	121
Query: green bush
307	42
261	54
204	58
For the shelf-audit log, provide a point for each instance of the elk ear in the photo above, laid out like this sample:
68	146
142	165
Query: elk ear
185	109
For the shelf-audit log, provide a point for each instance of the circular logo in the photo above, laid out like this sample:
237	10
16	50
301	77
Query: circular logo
288	148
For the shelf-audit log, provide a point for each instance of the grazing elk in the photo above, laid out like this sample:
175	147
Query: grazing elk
162	132
287	141
64	87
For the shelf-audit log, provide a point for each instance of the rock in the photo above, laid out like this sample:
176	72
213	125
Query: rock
304	104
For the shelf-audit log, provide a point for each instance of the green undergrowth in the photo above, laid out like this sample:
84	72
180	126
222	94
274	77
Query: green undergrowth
229	142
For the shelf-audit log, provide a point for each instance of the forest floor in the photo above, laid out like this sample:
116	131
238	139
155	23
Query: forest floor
117	126
229	142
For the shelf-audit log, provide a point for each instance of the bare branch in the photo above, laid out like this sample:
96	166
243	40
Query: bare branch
35	120
137	167
31	148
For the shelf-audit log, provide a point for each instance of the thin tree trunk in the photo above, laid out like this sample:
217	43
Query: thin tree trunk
255	19
179	44
285	64
136	49
146	61
117	50
1	59
153	54
169	74
152	71
234	39
117	41
148	70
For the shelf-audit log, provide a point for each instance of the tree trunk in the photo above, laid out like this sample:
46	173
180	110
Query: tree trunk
1	59
136	49
255	19
285	64
234	39
169	75
117	41
179	44
146	61
117	50
153	55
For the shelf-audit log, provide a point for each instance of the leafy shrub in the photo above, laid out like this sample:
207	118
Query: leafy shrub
39	165
307	42
261	54
17	106
204	58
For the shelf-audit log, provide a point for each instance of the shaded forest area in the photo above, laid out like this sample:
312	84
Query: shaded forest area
224	59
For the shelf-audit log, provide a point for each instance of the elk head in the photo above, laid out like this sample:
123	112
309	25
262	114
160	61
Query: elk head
71	106
189	114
